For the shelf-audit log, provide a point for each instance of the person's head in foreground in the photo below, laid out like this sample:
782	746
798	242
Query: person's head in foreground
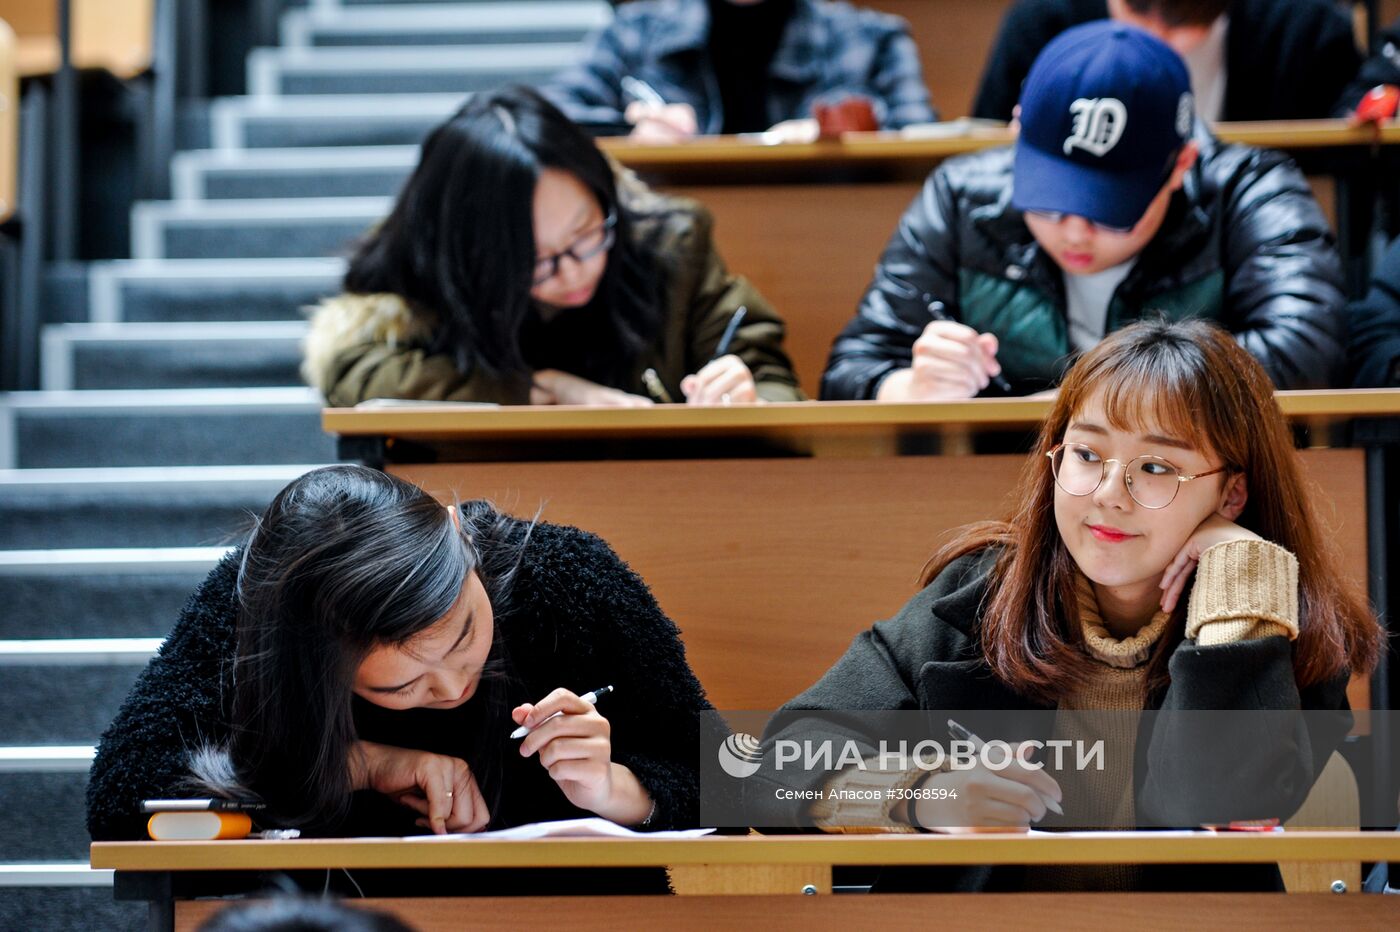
301	914
1106	117
1164	441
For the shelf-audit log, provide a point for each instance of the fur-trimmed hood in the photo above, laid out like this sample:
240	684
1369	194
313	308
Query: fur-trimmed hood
348	320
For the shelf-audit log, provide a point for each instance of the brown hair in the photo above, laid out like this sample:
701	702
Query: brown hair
1197	382
1175	13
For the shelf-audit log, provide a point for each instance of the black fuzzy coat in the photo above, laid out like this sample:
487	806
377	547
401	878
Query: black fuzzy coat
578	618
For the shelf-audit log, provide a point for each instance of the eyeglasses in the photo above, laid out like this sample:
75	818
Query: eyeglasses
1055	216
588	245
1152	481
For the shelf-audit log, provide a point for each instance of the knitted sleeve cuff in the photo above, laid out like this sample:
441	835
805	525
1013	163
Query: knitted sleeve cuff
859	801
1244	589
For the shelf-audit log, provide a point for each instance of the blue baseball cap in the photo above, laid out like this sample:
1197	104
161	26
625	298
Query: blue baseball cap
1104	111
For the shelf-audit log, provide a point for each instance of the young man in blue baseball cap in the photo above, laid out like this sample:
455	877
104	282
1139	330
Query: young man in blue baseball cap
1113	204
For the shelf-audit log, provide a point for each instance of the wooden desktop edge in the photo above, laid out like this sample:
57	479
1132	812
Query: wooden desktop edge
449	421
890	145
1065	848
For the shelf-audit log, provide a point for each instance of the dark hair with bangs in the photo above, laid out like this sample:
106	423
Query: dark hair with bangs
1175	13
459	245
345	559
1195	380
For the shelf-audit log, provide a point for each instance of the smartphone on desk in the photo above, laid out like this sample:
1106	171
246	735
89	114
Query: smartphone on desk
201	805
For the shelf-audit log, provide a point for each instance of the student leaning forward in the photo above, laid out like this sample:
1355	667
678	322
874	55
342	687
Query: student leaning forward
1163	556
360	664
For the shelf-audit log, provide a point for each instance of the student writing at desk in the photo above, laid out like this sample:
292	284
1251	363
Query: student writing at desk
359	666
1162	555
520	266
742	66
1108	206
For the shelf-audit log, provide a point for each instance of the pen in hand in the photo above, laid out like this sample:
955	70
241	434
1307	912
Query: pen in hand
962	734
722	347
937	311
655	388
641	91
590	698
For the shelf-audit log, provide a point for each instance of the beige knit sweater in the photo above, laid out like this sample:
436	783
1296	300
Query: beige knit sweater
1243	589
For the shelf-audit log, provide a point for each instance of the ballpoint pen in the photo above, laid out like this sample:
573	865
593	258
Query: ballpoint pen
962	734
937	311
590	698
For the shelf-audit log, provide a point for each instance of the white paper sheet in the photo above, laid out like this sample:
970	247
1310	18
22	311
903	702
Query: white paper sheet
593	827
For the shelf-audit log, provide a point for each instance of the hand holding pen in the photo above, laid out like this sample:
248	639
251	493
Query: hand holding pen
571	740
653	119
951	361
1005	800
725	379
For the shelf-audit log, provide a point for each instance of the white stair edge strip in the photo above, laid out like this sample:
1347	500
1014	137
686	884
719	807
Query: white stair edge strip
164	399
113	561
267	66
221	270
115	652
55	361
230	331
466	16
311	158
56	874
7	436
259	210
116	479
47	759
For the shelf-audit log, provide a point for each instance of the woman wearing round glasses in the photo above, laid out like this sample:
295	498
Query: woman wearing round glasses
1163	555
520	266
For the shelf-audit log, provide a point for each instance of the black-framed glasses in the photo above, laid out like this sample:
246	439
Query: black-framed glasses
1152	481
589	244
1055	216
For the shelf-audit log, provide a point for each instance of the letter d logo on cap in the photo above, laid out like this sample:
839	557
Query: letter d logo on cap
1098	125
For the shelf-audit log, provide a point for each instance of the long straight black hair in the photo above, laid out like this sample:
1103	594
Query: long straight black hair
345	559
460	242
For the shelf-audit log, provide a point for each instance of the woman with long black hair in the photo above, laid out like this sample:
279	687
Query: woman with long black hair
360	663
520	266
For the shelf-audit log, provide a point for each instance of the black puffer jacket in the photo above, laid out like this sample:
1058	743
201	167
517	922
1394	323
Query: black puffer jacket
579	618
1244	243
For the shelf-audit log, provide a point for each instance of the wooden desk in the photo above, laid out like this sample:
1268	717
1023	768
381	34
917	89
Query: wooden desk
773	534
766	875
775	227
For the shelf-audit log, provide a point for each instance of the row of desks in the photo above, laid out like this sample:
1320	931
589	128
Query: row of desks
763	879
783	210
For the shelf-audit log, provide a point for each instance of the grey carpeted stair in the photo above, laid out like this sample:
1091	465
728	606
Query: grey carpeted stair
190	355
203	427
327	120
218	174
252	229
429	69
141	507
50	908
561	21
98	593
189	290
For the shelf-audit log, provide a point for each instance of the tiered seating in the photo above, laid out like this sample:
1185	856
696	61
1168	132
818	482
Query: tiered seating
172	408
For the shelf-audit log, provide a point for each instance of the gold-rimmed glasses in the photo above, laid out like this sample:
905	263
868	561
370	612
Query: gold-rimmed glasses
1152	481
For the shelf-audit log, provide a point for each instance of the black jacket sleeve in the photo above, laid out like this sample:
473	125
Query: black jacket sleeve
176	706
1284	277
590	91
1257	760
919	265
608	630
1373	352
